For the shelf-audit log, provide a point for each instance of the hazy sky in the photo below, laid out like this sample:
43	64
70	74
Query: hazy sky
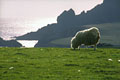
42	8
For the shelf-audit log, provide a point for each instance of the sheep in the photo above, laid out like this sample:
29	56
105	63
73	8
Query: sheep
88	37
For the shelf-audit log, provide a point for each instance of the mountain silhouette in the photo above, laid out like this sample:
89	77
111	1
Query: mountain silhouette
10	43
68	23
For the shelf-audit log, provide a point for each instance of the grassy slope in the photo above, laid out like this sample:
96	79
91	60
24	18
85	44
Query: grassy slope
59	64
109	34
63	41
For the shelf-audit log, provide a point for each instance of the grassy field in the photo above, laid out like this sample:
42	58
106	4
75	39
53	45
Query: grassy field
59	64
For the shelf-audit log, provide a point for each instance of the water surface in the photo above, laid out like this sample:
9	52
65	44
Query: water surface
28	43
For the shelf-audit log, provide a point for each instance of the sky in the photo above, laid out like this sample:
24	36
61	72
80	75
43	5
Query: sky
42	9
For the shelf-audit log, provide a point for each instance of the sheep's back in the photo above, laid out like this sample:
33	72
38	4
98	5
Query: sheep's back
88	37
91	36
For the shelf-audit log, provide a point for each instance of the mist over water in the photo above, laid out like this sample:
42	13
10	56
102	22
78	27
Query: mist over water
10	28
16	27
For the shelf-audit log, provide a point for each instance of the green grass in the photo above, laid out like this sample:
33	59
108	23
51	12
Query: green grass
59	64
109	34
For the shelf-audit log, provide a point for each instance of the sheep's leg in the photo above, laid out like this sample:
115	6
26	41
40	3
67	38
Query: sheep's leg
79	47
94	47
86	47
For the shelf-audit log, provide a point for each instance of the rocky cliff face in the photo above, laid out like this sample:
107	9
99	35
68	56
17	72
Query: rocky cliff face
107	12
66	18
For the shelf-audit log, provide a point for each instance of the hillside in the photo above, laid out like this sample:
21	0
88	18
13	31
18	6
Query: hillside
68	23
59	64
108	35
9	43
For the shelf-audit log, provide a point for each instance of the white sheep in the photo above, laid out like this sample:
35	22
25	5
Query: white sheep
88	37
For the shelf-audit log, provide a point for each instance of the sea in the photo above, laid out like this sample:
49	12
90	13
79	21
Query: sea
10	28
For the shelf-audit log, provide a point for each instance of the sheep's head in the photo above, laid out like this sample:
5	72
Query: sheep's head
74	43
